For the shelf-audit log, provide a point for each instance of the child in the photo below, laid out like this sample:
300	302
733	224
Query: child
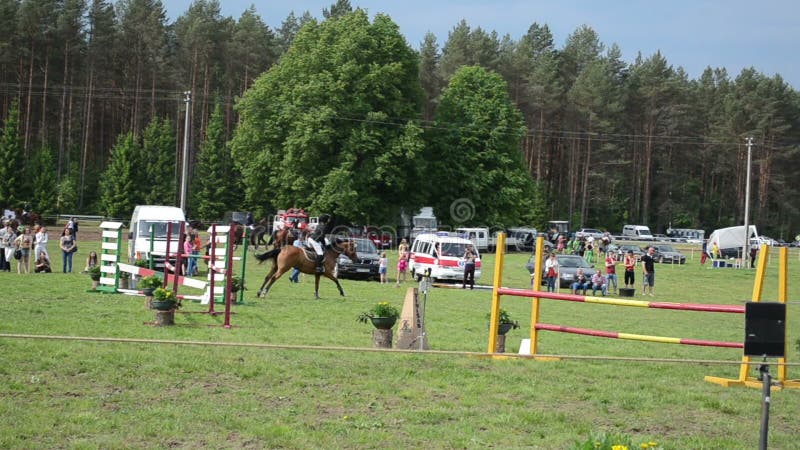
91	261
383	264
42	264
402	265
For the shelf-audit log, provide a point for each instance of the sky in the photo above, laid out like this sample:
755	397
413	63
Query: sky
692	34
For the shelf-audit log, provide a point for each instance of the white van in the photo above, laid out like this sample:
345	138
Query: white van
478	236
443	254
155	216
638	232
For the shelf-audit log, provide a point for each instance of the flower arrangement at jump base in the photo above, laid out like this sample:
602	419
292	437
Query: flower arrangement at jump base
604	441
383	315
164	300
506	323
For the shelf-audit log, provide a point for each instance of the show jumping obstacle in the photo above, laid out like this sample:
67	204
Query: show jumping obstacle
536	326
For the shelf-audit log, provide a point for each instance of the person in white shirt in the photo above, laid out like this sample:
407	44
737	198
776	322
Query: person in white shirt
40	241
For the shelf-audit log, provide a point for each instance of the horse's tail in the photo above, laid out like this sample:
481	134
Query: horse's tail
268	255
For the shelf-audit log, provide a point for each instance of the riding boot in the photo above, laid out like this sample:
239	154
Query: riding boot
320	267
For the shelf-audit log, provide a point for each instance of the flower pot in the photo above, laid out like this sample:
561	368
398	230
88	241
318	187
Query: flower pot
383	323
504	328
95	283
124	283
148	292
166	305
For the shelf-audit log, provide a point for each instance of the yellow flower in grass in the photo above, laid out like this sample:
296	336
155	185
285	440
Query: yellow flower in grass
619	447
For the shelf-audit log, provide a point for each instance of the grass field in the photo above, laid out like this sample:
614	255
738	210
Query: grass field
95	394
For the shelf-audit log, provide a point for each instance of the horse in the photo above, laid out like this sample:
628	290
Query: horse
258	232
289	256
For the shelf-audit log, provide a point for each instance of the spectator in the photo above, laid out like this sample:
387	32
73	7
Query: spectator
753	254
42	264
40	240
581	282
188	250
551	273
630	267
72	226
91	261
383	265
3	246
649	271
23	243
469	268
8	245
67	245
704	254
714	251
299	243
611	271
402	266
599	282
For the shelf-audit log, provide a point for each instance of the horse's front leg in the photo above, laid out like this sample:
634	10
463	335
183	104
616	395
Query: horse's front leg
335	280
264	287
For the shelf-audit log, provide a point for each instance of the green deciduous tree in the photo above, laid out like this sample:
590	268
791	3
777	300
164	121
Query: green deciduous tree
323	129
474	154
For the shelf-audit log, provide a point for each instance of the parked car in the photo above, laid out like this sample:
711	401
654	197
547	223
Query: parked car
662	237
589	232
622	250
568	266
367	265
666	253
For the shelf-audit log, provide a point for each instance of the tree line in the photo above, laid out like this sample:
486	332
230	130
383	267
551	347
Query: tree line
343	114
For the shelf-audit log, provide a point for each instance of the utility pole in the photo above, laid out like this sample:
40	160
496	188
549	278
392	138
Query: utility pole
185	157
746	252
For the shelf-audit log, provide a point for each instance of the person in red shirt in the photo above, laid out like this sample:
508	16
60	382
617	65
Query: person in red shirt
630	266
611	271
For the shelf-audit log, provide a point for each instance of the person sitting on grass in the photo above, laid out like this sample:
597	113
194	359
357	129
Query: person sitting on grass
42	264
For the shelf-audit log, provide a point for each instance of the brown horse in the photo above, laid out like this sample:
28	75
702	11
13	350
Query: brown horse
304	260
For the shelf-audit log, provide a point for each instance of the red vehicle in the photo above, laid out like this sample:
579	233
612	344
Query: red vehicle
292	218
381	239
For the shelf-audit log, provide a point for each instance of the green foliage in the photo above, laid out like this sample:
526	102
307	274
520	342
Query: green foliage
504	318
11	159
158	163
321	129
163	295
611	441
381	309
66	194
213	183
119	187
149	282
474	155
94	273
45	193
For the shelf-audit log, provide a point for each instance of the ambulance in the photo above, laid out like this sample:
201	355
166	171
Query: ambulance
443	254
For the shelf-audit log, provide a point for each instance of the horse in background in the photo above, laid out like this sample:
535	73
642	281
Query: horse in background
289	256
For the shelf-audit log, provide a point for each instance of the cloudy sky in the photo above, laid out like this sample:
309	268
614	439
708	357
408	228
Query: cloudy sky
734	34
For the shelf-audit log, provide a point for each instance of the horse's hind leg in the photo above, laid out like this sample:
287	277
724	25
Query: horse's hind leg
275	277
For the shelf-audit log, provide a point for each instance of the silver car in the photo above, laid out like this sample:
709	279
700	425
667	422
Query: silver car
568	267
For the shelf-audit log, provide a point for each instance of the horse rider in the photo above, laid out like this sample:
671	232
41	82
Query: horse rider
317	240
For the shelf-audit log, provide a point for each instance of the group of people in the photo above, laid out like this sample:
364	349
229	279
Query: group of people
23	244
603	282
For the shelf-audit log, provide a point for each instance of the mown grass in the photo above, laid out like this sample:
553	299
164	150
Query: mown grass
80	394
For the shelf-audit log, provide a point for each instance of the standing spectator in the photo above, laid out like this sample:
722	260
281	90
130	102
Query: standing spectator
599	282
71	226
8	245
551	273
383	265
188	250
704	254
469	268
581	282
714	251
42	264
402	266
630	266
40	240
3	246
561	243
649	270
196	246
611	271
589	253
23	243
299	243
753	254
67	245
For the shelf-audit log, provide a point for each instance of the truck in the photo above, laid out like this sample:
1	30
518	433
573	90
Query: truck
479	236
152	220
292	218
424	222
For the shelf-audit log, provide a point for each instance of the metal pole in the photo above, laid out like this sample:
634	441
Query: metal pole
766	383
745	252
185	157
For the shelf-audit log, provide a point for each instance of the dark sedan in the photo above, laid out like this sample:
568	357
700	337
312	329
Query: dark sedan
365	268
568	266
